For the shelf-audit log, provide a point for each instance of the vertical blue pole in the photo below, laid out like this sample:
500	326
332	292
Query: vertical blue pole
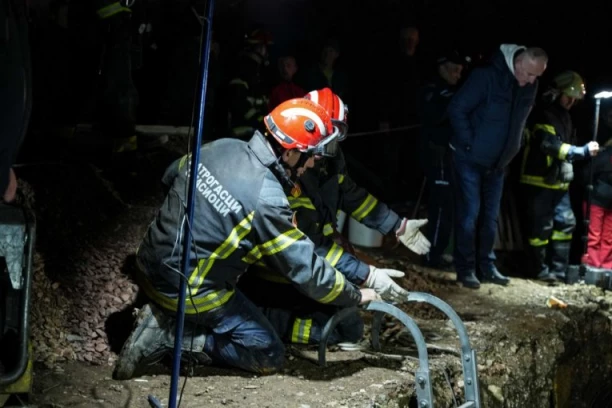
195	160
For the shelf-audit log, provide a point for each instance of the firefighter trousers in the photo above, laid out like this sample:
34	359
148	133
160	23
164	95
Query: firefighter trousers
295	317
550	225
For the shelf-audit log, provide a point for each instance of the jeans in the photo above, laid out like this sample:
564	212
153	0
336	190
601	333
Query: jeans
478	193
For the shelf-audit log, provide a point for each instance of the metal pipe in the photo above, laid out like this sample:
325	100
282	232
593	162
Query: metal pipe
195	159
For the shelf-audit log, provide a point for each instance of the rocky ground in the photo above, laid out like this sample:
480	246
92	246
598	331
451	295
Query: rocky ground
530	354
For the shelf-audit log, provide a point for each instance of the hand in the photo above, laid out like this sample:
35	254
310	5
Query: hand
11	189
593	148
380	280
409	235
368	295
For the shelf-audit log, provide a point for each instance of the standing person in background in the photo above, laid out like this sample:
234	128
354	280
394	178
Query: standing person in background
599	244
286	89
488	116
436	133
546	173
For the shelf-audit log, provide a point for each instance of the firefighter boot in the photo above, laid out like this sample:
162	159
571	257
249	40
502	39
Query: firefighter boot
539	265
151	340
560	259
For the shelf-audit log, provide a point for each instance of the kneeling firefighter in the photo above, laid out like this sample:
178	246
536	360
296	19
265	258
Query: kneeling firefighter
546	172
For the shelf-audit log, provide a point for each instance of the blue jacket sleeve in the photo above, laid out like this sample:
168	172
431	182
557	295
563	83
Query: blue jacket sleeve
466	100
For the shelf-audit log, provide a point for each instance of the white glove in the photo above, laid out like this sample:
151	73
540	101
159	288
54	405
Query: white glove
380	280
409	235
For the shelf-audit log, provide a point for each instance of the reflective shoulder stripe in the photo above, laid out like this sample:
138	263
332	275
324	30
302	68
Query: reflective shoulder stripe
546	128
340	178
238	81
111	10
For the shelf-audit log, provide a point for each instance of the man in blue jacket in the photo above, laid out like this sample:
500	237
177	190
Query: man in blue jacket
488	115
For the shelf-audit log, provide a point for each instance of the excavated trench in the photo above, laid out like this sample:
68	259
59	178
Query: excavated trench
529	355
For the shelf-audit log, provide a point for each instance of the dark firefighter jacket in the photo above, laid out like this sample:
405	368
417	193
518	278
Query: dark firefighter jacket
489	111
436	130
242	217
325	190
247	98
548	150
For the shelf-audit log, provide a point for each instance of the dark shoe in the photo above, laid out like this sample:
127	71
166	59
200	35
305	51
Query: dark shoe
494	276
152	339
547	277
469	280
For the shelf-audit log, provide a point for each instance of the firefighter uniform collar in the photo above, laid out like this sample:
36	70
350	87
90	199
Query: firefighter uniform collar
261	150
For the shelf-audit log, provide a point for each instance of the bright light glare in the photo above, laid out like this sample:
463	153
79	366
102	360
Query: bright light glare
603	95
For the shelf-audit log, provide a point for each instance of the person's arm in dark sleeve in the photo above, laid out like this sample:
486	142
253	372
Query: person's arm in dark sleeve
554	147
290	252
363	206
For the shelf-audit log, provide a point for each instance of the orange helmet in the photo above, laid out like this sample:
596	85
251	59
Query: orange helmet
303	125
334	106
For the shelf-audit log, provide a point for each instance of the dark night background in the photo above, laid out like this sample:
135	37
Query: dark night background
65	59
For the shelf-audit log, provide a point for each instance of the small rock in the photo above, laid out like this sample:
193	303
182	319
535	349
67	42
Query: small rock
496	392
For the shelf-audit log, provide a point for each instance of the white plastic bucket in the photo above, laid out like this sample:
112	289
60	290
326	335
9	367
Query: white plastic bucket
361	235
340	220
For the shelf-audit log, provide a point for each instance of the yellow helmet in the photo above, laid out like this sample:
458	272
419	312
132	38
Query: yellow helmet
570	84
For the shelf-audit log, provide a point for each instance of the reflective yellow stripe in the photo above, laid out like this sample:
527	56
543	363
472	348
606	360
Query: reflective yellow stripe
193	305
328	229
561	236
126	144
301	331
340	178
546	128
336	290
538	181
238	81
297	202
183	161
111	10
334	254
224	250
564	150
273	246
250	113
365	208
282	242
536	242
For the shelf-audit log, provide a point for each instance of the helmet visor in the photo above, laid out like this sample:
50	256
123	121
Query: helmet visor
342	128
327	147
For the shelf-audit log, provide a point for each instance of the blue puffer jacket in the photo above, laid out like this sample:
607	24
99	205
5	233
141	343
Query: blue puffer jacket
489	112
